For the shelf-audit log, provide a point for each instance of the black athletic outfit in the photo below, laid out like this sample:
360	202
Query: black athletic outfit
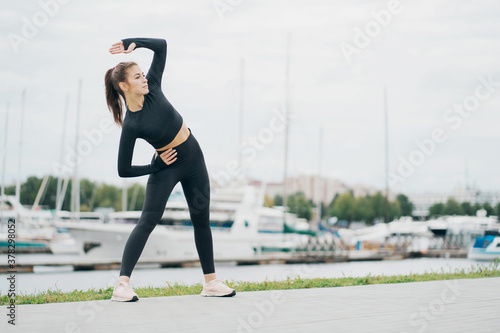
158	123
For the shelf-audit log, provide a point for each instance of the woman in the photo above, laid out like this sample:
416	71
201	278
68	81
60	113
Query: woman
178	157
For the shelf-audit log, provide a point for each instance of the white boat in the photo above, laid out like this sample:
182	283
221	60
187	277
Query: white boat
233	225
271	235
406	226
415	234
438	226
462	224
241	228
33	228
63	242
376	233
37	226
485	247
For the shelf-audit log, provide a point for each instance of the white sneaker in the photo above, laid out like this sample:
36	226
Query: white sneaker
123	292
217	288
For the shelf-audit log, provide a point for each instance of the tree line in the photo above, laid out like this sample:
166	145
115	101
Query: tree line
345	206
92	194
452	207
371	208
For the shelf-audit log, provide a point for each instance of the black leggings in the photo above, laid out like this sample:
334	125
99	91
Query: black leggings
189	168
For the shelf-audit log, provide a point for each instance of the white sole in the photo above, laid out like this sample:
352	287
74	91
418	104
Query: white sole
123	299
223	295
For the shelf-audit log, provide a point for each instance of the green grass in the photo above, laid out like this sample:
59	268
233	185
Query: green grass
176	289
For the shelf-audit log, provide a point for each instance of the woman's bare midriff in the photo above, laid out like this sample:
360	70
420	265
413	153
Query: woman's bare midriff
179	138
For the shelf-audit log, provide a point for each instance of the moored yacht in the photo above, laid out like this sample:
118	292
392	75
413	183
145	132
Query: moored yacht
486	247
233	222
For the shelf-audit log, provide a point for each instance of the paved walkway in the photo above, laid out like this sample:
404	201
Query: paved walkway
468	305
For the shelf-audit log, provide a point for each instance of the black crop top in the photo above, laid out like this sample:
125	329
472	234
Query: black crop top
158	122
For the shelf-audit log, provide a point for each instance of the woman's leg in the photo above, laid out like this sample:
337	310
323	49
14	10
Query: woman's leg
158	189
196	187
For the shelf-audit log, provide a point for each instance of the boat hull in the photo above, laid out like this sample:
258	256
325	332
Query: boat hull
108	241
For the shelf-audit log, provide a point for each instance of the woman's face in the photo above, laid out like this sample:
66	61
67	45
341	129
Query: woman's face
136	81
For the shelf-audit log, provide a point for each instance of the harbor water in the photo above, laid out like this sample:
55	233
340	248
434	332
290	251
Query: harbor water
64	279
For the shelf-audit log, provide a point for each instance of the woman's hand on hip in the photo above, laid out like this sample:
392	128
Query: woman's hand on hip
117	48
168	156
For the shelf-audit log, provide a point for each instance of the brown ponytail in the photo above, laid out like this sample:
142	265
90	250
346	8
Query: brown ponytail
114	76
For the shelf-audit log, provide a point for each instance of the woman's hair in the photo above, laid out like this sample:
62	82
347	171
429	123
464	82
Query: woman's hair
114	76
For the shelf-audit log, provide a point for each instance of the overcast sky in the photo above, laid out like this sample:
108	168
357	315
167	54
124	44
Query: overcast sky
438	60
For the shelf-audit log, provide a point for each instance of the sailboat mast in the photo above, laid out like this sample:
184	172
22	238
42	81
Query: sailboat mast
287	122
18	182
4	155
242	72
386	158
124	195
76	182
318	193
63	142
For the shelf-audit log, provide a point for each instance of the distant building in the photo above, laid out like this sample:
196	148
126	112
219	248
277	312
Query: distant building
318	188
471	194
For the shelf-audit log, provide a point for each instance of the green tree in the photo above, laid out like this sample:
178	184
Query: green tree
298	204
452	207
278	200
324	211
88	191
436	209
135	193
343	207
477	206
363	210
406	206
108	196
395	210
48	198
10	190
330	205
497	210
488	208
268	202
466	208
378	206
29	190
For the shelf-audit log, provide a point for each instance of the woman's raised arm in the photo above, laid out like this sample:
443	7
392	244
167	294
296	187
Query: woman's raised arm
159	47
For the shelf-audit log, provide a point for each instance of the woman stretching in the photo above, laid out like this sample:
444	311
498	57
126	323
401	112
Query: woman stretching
178	157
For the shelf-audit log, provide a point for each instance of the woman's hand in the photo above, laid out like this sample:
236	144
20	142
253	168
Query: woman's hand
168	156
117	48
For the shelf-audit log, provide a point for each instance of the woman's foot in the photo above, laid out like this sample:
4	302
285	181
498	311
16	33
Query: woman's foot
216	287
123	292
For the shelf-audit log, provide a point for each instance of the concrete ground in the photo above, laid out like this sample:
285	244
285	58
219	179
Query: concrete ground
467	305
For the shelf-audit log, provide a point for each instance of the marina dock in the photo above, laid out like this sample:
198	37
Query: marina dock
89	263
461	305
